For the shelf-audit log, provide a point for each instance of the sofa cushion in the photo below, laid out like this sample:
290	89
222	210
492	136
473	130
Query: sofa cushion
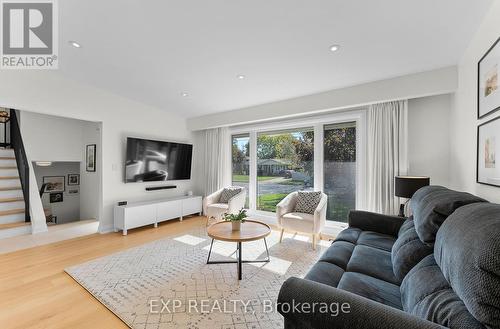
431	205
408	251
298	221
339	253
426	293
371	288
373	239
350	234
221	206
376	240
373	262
407	224
467	251
307	202
326	273
228	193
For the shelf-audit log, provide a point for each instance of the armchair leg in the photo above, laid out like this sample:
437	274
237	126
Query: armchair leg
314	241
281	235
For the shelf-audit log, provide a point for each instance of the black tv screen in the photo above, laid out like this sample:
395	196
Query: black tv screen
150	160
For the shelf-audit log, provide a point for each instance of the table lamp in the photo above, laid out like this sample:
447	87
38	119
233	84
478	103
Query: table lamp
406	186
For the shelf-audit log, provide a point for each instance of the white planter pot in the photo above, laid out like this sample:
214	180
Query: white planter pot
236	225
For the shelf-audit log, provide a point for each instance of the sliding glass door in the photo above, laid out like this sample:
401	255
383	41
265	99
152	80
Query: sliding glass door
339	169
285	163
240	150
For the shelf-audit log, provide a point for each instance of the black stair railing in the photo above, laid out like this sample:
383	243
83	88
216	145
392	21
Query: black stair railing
16	142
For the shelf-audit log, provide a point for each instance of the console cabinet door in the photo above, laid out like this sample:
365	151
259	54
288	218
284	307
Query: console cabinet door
140	216
169	210
191	206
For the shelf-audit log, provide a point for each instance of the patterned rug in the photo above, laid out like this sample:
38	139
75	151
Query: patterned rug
167	283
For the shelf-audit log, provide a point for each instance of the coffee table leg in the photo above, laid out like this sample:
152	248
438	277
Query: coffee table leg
210	251
267	250
239	260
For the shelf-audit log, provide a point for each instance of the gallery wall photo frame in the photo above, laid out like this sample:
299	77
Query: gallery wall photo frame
73	179
488	88
55	184
488	146
90	158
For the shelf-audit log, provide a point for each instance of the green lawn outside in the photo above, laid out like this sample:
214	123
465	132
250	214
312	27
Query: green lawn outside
245	178
268	202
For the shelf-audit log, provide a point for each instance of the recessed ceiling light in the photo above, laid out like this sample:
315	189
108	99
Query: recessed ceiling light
334	48
75	44
184	94
240	76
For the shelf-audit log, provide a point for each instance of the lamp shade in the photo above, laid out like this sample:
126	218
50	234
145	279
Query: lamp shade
406	186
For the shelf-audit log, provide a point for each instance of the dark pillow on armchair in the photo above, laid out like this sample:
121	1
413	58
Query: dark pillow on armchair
431	205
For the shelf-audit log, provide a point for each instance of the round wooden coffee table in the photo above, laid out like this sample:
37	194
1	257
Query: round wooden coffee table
251	230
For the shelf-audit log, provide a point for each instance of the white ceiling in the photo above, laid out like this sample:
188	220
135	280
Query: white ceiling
152	51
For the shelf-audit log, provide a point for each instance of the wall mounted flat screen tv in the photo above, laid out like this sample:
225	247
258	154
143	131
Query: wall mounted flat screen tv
150	160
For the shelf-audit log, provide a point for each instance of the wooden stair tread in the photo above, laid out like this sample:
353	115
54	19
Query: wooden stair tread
10	188
7	167
11	212
7	158
3	200
9	177
13	225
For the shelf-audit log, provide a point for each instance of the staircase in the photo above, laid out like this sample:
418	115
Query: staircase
12	206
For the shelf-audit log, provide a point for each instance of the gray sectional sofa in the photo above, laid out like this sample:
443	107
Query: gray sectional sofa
438	268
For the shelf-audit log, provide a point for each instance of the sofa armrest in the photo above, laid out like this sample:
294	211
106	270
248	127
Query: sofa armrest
370	221
345	310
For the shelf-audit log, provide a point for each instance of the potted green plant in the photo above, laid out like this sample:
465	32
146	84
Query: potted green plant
236	219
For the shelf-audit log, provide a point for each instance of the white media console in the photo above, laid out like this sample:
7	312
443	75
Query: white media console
152	212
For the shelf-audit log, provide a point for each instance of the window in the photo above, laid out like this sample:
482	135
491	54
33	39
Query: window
240	162
339	169
285	163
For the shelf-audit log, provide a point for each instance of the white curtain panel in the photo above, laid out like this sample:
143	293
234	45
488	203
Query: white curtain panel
217	152
387	154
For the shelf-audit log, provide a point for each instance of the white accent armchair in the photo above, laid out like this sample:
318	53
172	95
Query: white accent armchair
293	221
213	209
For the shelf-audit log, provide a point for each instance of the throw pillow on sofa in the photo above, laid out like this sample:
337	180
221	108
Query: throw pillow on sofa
431	205
307	202
228	193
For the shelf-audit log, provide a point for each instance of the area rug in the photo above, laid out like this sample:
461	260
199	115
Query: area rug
167	283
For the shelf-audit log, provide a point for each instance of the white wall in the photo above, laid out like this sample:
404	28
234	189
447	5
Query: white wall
429	138
423	84
50	93
69	209
464	111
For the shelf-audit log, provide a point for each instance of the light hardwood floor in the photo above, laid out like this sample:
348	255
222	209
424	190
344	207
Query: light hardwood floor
36	293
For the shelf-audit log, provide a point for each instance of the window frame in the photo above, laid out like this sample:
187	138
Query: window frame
318	123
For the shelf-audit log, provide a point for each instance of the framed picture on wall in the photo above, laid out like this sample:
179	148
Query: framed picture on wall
56	197
488	146
54	184
73	191
488	89
90	158
73	179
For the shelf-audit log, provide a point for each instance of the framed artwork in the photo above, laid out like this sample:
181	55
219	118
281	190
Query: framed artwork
54	184
73	191
73	179
488	146
56	197
488	89
90	158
